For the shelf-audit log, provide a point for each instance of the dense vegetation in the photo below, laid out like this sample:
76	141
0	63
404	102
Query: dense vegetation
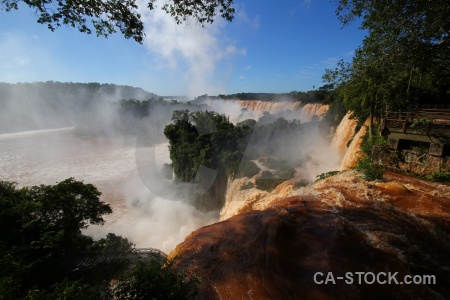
403	62
208	139
41	242
108	17
364	164
323	94
203	138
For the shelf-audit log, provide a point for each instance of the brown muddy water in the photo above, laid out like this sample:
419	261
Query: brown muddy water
50	156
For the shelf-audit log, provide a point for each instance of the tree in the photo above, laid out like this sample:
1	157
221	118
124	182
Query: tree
155	279
403	61
203	138
109	16
208	139
40	232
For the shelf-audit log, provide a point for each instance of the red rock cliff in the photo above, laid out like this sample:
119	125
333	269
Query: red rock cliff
341	224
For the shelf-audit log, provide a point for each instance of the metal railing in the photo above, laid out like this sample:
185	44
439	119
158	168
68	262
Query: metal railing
90	259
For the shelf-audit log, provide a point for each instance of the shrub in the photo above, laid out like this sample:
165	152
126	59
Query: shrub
266	175
370	171
303	182
273	163
364	164
268	184
247	185
441	177
326	175
155	279
286	173
267	181
247	168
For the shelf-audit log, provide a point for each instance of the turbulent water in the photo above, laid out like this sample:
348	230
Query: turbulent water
347	141
267	245
256	108
146	218
48	156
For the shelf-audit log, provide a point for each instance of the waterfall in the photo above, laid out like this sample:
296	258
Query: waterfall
344	133
289	110
352	154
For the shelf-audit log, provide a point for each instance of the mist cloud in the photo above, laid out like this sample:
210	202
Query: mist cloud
194	51
21	57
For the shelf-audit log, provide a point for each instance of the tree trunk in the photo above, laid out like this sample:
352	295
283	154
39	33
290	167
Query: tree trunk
371	118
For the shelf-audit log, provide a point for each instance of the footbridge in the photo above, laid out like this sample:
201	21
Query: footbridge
94	258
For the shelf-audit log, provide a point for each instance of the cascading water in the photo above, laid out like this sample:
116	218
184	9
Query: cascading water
277	241
343	134
146	218
353	152
290	110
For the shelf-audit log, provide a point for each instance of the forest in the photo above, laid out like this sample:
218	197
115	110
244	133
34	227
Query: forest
403	63
323	94
42	244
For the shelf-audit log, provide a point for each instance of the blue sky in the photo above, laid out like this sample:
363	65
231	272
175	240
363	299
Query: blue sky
271	46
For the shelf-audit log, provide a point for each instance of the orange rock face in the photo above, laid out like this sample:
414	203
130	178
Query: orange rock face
345	225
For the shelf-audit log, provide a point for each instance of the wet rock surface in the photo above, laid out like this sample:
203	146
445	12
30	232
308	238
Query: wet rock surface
342	224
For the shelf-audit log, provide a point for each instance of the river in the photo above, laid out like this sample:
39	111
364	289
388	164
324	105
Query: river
49	156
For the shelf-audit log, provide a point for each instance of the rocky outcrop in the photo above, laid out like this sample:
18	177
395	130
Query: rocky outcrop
416	162
239	200
340	225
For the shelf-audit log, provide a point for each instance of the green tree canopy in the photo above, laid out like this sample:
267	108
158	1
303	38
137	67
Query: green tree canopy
403	61
155	279
203	138
41	246
40	232
110	16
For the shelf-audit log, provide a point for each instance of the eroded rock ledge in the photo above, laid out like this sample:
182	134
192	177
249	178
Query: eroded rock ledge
342	224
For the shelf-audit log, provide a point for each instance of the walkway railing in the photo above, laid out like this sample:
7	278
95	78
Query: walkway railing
90	259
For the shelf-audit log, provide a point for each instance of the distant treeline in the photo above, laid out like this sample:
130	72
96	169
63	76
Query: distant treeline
131	117
43	105
323	94
53	89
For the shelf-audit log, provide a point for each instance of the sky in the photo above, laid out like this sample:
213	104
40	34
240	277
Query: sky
270	46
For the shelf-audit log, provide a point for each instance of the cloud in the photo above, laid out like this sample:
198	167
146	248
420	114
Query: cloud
12	49
307	3
330	62
193	51
247	68
22	59
242	17
304	73
350	53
